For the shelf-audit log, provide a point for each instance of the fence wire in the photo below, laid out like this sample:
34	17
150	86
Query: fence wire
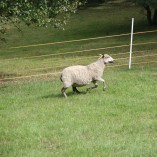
87	39
81	58
73	52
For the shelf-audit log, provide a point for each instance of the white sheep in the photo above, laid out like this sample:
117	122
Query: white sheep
77	76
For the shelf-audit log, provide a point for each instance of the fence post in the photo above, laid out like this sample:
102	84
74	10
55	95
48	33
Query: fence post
131	41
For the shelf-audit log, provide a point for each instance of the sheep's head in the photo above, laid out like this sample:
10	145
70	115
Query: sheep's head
106	58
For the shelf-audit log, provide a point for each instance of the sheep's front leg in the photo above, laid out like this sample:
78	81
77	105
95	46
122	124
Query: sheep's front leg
103	81
95	86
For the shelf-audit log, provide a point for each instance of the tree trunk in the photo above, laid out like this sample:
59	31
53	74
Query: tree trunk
149	15
155	17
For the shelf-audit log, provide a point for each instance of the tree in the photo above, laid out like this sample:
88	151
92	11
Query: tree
151	8
39	12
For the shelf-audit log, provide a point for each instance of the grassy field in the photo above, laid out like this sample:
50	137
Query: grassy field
36	121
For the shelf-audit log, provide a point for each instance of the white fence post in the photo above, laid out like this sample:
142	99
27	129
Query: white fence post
131	41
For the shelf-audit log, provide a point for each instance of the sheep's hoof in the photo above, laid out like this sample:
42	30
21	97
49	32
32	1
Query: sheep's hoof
65	96
104	89
88	90
78	92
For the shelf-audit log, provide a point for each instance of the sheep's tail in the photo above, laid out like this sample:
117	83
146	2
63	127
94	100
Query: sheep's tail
61	78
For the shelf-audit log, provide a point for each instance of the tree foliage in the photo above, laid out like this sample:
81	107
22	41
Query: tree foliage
39	12
54	12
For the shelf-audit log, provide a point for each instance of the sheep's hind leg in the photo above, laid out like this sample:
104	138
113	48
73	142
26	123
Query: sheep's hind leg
95	86
75	90
63	92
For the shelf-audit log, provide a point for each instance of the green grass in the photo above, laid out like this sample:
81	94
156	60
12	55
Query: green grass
36	121
102	20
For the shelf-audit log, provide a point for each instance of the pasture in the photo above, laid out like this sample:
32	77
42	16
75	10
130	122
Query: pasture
37	121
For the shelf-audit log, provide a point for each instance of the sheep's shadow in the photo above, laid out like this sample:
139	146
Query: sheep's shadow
59	95
52	96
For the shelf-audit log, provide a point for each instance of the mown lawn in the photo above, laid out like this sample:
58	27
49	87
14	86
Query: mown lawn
122	121
36	121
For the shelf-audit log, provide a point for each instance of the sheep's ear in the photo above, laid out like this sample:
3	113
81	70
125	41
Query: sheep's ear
101	55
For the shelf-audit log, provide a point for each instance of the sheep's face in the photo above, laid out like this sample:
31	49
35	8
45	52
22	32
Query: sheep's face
107	59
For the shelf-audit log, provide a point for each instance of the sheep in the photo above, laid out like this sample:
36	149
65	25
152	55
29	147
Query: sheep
78	76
